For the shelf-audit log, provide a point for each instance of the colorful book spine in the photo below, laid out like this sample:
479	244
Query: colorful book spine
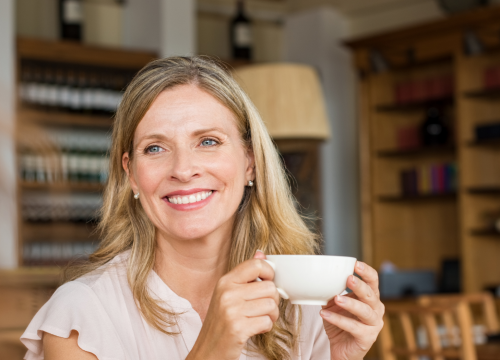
429	179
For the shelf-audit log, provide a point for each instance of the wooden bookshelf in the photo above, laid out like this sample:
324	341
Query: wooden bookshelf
65	55
51	117
416	232
415	106
485	94
486	232
418	197
418	151
63	186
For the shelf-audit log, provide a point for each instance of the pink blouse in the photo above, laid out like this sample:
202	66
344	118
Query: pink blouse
100	306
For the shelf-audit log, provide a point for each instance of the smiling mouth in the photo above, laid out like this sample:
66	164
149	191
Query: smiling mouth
189	199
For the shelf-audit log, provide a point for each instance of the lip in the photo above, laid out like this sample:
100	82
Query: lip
191	206
186	192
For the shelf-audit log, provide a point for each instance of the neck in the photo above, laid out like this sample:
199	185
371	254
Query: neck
192	267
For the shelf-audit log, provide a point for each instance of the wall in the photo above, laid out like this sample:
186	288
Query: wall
137	24
312	37
214	18
368	17
39	18
8	211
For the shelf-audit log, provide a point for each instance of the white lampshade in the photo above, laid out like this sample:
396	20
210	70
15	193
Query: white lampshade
288	97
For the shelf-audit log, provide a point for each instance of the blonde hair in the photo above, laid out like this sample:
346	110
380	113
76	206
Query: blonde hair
267	218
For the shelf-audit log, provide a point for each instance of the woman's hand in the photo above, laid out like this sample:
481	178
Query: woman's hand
240	308
352	322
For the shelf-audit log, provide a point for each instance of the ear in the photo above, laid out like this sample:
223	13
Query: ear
250	170
126	164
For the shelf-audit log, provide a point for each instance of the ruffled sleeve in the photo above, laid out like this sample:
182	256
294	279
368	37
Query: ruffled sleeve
74	306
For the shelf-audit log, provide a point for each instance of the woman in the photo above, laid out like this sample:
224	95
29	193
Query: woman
195	189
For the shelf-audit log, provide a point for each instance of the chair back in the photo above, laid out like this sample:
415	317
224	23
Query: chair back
411	331
486	316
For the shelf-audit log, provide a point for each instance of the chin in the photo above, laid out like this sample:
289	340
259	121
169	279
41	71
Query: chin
190	231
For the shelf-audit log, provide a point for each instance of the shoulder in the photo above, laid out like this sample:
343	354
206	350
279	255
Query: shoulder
84	305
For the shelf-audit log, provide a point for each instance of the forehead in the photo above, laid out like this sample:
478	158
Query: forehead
186	108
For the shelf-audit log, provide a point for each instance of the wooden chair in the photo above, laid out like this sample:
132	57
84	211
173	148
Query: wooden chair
398	337
483	302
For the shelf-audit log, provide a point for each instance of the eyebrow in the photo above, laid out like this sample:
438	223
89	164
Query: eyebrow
202	131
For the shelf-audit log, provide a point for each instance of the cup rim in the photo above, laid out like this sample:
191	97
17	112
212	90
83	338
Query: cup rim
324	256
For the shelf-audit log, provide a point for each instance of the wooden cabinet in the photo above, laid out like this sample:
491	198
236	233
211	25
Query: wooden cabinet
424	228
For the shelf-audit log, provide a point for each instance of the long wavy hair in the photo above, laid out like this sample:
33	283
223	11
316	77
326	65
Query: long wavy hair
266	218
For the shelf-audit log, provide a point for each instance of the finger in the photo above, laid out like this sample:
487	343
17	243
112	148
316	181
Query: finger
369	276
352	326
260	324
362	291
259	290
362	311
261	307
259	254
252	269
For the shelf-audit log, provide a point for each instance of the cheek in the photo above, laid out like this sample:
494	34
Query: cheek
148	175
230	170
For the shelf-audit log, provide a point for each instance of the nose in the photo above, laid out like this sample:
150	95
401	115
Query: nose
184	166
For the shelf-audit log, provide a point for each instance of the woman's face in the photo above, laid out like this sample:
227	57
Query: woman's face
189	165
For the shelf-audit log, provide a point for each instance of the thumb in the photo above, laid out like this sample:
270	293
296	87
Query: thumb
259	254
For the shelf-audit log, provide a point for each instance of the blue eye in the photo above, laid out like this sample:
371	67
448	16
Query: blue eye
153	149
208	142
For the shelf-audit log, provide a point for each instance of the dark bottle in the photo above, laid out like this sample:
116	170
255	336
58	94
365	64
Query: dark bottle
241	34
71	19
434	130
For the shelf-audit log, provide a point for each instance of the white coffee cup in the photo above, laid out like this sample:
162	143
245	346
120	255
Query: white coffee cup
311	279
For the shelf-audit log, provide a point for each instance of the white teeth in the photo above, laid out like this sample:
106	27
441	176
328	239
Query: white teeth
189	199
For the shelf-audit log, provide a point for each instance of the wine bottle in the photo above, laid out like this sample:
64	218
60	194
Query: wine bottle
241	34
71	19
434	130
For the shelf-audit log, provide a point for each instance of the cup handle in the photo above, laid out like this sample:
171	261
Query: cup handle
282	292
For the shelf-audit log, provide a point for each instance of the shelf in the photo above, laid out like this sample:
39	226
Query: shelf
429	150
415	105
485	94
78	53
485	142
422	197
32	276
57	231
83	187
408	64
52	117
484	190
491	232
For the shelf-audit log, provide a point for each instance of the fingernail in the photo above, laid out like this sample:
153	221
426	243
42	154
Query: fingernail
354	280
361	266
325	313
340	299
260	251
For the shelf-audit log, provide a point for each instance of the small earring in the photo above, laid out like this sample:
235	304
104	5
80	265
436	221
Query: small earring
136	196
250	183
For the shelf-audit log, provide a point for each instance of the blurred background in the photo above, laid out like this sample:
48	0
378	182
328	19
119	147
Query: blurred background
386	114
